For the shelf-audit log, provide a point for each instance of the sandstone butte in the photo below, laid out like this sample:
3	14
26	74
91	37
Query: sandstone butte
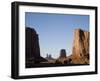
80	50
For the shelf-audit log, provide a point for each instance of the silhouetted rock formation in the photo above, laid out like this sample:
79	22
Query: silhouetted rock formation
62	53
32	47
80	52
62	58
49	57
32	43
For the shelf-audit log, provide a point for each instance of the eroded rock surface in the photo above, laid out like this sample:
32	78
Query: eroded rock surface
80	51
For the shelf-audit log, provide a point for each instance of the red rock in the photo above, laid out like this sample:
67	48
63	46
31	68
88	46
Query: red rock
80	51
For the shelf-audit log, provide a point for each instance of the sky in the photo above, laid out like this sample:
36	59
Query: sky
55	31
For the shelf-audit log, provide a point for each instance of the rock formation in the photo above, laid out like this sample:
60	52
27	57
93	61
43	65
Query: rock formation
32	47
62	58
80	51
62	53
50	58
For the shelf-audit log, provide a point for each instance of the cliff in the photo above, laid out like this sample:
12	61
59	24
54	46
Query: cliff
32	47
80	51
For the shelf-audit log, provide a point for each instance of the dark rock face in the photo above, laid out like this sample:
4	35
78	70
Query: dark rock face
62	58
62	53
32	43
32	47
80	52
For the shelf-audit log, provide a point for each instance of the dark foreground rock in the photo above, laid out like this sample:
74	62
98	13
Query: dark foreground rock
32	47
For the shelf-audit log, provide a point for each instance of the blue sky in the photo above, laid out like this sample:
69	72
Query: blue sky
55	30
